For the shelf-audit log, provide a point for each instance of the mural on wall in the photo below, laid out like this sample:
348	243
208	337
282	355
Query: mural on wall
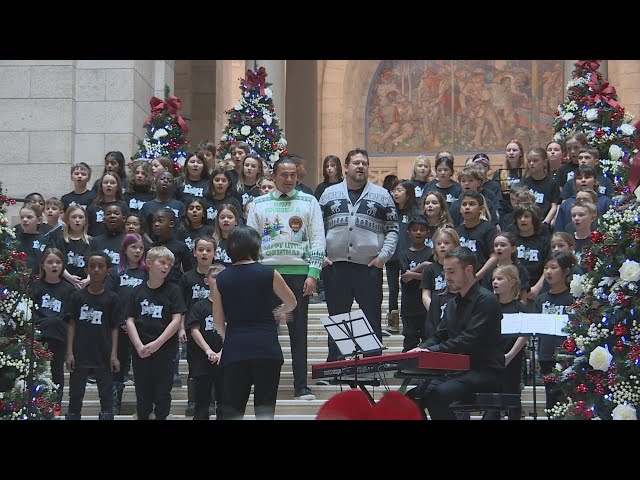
424	106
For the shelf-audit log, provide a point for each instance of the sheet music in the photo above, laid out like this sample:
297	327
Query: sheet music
534	323
352	330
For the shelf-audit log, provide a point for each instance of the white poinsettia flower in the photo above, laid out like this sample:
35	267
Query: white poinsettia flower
282	142
223	138
615	152
274	157
161	132
568	116
181	161
245	130
600	359
237	106
576	285
267	118
591	114
627	129
630	271
624	412
268	92
227	156
557	137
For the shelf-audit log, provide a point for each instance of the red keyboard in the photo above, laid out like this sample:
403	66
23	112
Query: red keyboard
405	363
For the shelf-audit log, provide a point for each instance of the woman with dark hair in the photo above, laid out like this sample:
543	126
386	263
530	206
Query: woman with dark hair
251	353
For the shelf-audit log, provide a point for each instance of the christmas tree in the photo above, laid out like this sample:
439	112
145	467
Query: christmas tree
592	108
253	120
166	132
26	391
598	369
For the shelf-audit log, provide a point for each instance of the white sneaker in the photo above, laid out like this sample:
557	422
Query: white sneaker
305	394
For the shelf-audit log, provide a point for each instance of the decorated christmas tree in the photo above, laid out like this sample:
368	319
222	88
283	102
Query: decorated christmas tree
166	132
253	120
26	391
598	369
592	108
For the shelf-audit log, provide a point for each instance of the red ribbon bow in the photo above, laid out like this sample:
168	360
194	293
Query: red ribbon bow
603	93
592	65
172	105
256	79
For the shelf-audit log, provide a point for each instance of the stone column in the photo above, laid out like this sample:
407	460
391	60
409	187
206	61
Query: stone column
276	76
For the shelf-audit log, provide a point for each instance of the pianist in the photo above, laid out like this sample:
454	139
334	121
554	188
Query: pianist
472	327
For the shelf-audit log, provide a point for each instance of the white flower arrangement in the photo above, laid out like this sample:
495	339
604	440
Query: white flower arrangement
627	129
630	271
591	114
624	412
268	93
161	132
576	285
600	359
615	152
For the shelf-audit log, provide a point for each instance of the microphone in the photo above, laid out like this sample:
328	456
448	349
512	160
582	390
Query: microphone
54	229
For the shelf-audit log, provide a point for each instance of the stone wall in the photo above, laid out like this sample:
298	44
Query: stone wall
54	113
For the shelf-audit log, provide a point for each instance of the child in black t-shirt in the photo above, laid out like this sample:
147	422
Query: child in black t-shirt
154	314
433	282
81	196
205	351
163	229
51	295
92	338
194	288
130	273
412	310
111	240
557	301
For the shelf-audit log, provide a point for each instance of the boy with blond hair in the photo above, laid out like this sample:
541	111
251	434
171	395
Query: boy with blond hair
154	315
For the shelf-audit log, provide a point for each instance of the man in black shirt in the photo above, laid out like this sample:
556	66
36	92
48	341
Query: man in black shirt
472	327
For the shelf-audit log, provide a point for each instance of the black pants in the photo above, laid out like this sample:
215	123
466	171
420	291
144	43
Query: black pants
346	281
436	395
511	381
78	384
154	380
59	350
203	384
238	378
413	329
298	331
124	356
393	280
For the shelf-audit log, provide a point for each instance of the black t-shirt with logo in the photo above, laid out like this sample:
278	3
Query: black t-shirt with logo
202	315
52	300
77	252
82	199
152	310
95	317
411	292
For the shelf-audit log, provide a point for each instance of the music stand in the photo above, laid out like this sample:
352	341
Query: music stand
353	335
533	324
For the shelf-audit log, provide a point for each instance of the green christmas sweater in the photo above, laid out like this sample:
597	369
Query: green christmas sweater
292	232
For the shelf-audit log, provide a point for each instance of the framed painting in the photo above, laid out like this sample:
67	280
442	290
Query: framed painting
424	106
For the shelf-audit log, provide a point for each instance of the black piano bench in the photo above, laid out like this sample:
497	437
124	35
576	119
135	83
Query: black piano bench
499	404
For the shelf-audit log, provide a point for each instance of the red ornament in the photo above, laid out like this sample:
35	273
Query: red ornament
569	345
619	346
620	329
582	388
285	152
274	146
